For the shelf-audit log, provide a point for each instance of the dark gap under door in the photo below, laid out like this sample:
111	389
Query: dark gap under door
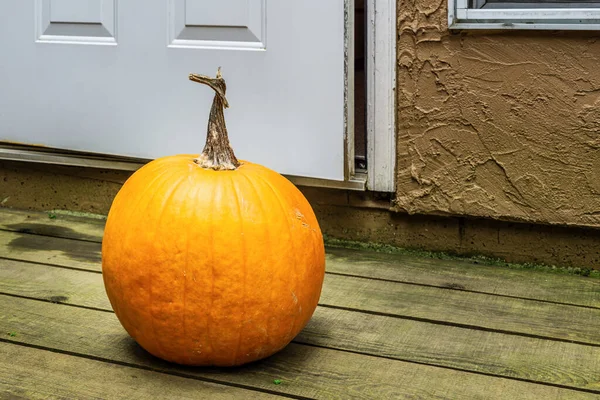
360	132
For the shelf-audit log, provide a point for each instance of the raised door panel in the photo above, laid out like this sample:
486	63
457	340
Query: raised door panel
227	23
82	21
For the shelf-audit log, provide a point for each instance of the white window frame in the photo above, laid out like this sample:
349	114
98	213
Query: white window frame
462	17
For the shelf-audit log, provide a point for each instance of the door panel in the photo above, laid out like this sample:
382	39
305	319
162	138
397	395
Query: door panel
227	23
110	77
80	11
86	21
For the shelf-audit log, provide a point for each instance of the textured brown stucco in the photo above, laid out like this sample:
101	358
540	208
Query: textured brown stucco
497	124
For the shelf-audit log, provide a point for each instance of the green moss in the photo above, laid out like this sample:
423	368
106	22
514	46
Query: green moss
77	214
474	258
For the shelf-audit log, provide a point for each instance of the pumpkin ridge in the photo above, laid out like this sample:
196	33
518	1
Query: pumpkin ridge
252	185
211	248
292	244
190	223
121	295
171	192
203	339
282	207
245	267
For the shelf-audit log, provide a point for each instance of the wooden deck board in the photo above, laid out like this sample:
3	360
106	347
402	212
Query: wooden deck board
456	274
449	306
466	275
65	226
388	326
28	373
482	311
50	250
306	371
552	362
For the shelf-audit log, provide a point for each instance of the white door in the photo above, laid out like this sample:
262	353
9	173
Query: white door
111	77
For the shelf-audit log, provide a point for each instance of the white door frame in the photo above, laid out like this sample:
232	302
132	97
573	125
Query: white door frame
380	103
381	94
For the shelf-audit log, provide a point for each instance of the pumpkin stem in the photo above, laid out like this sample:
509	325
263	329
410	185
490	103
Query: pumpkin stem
217	153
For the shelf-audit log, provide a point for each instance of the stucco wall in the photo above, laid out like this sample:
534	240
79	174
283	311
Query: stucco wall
497	124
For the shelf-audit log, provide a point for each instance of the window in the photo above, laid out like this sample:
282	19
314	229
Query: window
524	14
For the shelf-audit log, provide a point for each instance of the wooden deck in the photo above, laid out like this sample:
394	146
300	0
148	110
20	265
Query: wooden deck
388	327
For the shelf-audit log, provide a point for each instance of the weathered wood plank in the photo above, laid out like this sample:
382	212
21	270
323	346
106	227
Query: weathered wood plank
494	353
558	363
398	267
529	317
53	284
562	322
466	275
51	250
305	370
27	373
60	225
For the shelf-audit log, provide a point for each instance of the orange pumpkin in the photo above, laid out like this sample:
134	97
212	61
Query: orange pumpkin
208	260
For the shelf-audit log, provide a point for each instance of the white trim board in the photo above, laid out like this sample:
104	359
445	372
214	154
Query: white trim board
381	94
349	89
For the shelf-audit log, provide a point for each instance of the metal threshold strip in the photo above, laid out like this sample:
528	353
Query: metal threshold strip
43	155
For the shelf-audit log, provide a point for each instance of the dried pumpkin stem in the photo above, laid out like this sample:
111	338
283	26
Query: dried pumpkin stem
217	153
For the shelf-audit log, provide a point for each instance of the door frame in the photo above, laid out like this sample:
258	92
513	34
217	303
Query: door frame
380	52
381	39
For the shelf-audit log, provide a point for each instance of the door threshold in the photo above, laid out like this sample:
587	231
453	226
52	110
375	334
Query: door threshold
45	155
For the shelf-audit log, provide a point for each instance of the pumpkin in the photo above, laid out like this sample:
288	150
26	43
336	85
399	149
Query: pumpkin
211	260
